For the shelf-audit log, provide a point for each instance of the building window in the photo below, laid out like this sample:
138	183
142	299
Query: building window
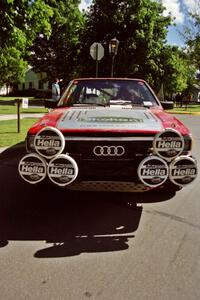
30	85
41	85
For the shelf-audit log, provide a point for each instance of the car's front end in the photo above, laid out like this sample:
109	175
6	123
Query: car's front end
117	146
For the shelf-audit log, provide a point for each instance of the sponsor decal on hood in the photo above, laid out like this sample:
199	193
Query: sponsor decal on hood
110	118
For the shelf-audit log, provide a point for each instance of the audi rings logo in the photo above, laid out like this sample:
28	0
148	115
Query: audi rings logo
109	150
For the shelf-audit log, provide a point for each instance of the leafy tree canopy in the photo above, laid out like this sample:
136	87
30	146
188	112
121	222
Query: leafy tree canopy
57	54
12	66
192	37
141	29
177	70
55	37
20	20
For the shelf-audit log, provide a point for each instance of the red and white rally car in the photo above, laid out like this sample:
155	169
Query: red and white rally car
109	134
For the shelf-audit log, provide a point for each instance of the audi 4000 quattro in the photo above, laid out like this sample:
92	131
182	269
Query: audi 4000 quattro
109	134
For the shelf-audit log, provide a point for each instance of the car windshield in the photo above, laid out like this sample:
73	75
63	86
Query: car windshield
103	92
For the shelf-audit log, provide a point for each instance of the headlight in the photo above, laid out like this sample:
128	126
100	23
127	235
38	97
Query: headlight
188	143
30	143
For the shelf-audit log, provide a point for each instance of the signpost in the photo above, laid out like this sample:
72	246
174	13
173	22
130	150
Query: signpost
18	101
24	102
97	53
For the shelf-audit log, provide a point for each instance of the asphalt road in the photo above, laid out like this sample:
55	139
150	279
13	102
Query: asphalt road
60	245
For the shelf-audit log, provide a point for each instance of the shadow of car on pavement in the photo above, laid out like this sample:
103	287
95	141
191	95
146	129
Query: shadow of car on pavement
71	222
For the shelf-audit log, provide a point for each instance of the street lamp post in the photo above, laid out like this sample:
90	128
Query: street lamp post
113	48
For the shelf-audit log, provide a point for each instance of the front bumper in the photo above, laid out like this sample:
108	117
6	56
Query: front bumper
117	163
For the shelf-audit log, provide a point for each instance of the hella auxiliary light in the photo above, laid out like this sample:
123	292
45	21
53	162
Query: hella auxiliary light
49	142
183	170
62	170
32	168
168	144
153	171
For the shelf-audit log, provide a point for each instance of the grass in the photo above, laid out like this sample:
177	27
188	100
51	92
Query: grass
193	108
7	98
8	131
12	109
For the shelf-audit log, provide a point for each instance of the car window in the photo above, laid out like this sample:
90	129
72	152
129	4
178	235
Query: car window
107	92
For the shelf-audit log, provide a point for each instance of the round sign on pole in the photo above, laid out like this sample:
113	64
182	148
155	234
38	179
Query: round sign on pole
97	51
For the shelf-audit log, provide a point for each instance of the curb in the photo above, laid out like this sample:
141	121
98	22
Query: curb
3	149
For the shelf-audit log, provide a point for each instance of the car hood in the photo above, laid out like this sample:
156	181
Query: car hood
114	119
109	119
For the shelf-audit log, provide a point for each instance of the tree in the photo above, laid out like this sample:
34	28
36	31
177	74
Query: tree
141	29
12	66
177	70
192	37
19	23
57	54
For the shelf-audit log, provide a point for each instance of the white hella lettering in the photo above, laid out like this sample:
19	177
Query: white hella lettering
171	144
181	172
34	169
155	172
47	143
61	171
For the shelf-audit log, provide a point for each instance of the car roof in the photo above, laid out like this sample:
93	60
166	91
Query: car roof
109	78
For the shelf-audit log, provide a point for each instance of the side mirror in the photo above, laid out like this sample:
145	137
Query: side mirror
167	104
50	103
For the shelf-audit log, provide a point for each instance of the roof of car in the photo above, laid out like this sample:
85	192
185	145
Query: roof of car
109	78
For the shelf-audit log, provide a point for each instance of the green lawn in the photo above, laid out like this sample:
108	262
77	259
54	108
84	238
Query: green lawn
7	98
190	109
8	131
12	109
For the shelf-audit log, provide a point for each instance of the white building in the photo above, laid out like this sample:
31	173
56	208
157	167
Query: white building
34	81
4	90
196	92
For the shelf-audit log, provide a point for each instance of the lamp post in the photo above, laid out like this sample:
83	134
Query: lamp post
113	48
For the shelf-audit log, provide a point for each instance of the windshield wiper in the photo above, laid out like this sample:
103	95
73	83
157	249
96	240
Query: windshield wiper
88	104
125	102
120	101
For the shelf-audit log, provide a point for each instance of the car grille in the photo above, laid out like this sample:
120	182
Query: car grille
109	162
109	150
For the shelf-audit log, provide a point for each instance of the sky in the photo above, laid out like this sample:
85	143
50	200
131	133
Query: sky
178	9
